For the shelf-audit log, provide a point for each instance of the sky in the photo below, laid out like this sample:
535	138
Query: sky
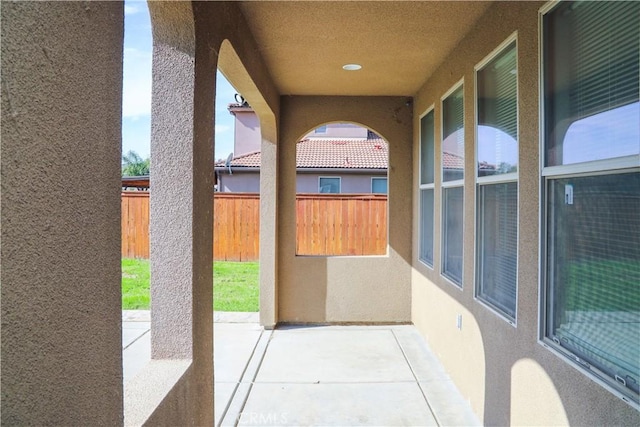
136	100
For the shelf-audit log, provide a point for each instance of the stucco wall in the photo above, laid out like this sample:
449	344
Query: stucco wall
246	135
305	183
339	130
239	182
349	183
347	289
61	123
508	377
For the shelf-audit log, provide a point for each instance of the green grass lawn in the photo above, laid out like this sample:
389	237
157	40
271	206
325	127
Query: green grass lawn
235	285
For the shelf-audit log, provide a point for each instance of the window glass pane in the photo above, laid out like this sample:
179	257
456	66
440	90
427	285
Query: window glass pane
426	226
591	85
426	149
321	129
497	131
329	185
379	185
498	246
593	262
452	233
453	136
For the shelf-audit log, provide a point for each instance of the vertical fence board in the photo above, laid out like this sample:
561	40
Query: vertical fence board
326	224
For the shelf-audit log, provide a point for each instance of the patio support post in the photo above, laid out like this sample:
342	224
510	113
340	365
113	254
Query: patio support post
269	234
181	205
61	148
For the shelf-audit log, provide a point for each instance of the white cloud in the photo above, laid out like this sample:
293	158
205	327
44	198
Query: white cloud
136	90
130	9
222	128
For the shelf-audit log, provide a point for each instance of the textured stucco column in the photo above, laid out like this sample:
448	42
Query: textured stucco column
181	209
61	139
269	234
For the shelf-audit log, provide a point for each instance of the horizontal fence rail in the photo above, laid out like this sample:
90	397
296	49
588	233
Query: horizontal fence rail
327	224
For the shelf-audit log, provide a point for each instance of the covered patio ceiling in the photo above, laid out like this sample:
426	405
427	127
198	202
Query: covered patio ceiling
398	44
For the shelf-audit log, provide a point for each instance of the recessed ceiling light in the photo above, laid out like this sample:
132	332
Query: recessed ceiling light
351	67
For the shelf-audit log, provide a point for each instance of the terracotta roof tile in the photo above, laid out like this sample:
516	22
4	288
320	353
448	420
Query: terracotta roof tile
330	153
342	153
452	161
248	160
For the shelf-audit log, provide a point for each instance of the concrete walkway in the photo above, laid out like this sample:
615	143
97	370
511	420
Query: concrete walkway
320	375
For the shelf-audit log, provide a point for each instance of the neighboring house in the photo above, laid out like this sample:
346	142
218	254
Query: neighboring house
333	158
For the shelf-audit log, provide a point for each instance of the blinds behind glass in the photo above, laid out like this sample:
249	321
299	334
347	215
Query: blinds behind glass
453	113
426	226
427	148
497	93
592	57
498	245
452	233
453	136
606	57
594	267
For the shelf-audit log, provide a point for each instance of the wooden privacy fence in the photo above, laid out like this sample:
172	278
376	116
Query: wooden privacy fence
341	224
236	226
327	224
135	224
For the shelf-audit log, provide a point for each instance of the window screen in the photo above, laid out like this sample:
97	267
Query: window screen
498	246
426	226
452	233
594	271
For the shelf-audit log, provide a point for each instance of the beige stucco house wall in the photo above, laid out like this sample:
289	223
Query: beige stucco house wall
507	375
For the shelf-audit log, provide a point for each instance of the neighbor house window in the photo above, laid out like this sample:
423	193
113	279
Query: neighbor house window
329	185
591	179
452	184
497	180
379	185
427	167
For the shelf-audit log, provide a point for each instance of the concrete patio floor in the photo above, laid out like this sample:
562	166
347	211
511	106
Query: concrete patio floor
317	375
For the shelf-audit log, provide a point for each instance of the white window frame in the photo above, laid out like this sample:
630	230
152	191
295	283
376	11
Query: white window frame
495	179
374	178
430	186
339	178
547	174
450	184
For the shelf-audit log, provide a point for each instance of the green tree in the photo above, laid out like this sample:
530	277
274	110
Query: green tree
134	165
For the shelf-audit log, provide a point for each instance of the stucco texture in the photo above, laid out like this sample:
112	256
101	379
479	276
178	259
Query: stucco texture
190	41
506	374
366	289
61	124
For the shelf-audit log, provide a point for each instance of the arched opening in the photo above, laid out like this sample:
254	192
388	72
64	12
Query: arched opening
236	287
341	191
